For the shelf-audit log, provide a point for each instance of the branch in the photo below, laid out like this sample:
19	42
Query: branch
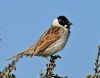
50	68
7	71
97	66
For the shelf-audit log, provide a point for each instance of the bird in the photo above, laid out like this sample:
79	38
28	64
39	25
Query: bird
52	40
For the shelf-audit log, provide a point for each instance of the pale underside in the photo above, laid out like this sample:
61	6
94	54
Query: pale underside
50	42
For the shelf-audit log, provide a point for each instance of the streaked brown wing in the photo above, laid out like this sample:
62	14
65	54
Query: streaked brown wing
48	38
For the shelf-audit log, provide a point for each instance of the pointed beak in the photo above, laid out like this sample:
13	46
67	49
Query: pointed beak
70	23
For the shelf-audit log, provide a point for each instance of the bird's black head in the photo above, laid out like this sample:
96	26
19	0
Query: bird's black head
64	21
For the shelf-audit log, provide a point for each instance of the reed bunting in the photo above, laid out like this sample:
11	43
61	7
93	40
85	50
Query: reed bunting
52	41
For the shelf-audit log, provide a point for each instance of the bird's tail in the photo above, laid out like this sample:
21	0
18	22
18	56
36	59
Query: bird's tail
21	54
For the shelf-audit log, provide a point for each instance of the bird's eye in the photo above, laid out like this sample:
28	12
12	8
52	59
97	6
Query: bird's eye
59	19
63	21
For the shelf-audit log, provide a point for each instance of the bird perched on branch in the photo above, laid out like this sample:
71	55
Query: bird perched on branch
52	41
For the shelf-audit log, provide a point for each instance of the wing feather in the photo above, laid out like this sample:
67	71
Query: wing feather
48	38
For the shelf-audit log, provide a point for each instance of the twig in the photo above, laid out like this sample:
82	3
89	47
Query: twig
7	71
50	68
97	65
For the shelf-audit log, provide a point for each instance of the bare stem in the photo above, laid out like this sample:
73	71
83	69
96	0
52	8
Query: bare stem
50	68
97	65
